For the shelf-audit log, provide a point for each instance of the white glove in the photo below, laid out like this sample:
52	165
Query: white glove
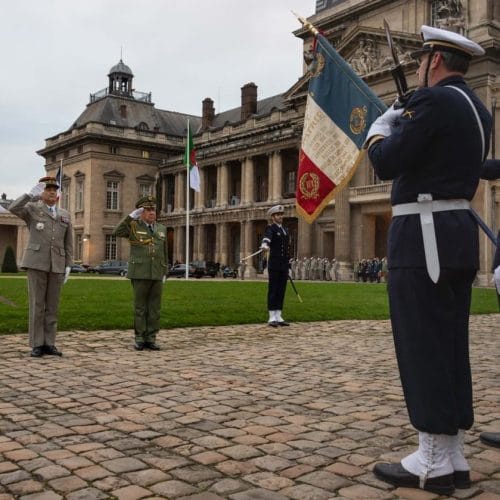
136	213
37	190
496	279
384	123
66	274
264	246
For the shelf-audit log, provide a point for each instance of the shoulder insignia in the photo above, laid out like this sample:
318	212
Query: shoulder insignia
409	113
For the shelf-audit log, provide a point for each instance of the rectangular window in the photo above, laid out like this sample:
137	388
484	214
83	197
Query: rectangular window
291	180
79	194
145	154
78	247
145	190
65	196
112	191
113	150
110	247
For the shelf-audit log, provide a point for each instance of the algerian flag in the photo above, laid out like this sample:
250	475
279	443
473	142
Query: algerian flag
190	161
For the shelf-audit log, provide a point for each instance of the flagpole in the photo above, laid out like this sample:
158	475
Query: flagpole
187	204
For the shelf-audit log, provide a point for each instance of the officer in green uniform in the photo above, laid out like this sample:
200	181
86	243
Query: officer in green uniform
147	268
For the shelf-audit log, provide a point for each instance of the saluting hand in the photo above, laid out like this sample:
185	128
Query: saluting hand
37	190
136	213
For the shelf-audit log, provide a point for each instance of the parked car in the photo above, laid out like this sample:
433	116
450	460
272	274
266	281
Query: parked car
179	270
112	267
204	268
229	272
78	268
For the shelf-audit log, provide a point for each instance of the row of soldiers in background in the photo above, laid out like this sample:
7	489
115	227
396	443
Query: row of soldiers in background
372	270
314	268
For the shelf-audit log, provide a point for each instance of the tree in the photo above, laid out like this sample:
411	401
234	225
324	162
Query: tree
9	261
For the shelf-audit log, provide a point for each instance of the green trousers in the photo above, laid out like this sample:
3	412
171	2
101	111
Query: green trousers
147	306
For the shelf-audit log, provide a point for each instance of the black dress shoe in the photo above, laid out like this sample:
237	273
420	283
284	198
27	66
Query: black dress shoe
36	352
139	346
274	324
490	438
397	475
461	478
152	346
283	323
51	350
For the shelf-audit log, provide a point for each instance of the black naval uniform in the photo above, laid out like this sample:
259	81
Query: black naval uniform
278	239
435	148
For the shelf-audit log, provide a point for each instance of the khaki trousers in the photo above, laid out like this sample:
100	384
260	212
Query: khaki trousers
147	306
44	290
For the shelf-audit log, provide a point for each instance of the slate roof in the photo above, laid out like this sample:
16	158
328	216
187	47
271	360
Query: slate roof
107	111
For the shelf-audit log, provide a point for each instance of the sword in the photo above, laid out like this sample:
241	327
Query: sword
295	289
397	70
252	254
484	227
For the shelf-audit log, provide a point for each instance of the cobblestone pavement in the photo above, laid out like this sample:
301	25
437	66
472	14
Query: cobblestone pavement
246	412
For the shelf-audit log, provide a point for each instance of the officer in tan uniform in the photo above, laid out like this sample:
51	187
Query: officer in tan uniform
47	260
147	269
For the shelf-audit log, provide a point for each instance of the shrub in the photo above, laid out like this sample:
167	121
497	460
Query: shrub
9	261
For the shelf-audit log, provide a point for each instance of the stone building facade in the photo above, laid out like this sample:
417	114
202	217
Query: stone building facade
121	146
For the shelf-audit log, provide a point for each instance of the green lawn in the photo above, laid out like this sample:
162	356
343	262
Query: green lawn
101	303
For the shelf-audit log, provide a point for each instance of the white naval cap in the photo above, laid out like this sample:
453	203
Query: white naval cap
448	41
277	209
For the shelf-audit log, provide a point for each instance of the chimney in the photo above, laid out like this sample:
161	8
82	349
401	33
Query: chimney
248	100
208	113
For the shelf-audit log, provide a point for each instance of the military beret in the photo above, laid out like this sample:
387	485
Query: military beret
146	202
277	209
447	41
49	182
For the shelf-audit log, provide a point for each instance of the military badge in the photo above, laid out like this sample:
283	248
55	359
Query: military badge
357	120
309	185
40	226
316	67
64	219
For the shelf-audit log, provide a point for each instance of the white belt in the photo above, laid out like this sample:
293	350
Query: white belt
424	207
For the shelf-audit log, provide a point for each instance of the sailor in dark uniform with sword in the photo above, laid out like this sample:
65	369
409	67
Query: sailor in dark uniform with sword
275	244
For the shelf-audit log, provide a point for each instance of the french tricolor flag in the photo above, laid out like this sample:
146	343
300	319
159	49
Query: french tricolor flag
339	111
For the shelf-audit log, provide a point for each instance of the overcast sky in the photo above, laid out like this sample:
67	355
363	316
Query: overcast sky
54	53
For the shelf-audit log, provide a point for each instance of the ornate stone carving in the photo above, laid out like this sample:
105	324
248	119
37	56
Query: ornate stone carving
365	58
449	14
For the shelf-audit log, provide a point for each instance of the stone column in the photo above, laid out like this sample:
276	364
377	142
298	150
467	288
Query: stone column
247	181
342	234
222	185
270	176
247	241
222	243
277	175
304	238
180	191
179	244
197	244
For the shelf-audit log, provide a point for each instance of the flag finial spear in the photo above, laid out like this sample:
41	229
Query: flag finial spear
306	24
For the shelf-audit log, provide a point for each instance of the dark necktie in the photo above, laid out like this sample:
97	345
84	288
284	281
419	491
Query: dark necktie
150	227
